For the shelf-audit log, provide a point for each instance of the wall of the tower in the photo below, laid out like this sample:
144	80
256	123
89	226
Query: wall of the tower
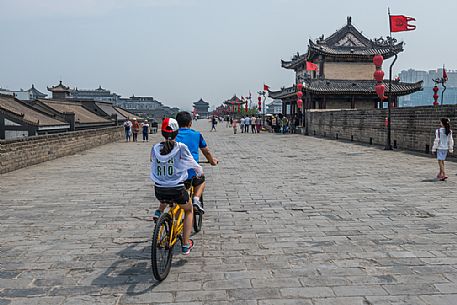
348	70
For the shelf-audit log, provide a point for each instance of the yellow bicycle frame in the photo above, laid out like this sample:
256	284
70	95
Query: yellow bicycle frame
177	226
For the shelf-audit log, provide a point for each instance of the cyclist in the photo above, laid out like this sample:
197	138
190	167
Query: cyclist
194	141
170	161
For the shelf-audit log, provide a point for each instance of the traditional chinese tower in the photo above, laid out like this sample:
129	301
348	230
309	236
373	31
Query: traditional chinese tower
344	78
60	92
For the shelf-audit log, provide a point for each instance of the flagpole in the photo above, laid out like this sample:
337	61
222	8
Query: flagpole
444	87
389	106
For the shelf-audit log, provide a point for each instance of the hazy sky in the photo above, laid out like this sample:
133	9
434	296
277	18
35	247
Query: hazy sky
181	50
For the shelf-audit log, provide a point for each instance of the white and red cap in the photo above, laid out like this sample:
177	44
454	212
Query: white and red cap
170	125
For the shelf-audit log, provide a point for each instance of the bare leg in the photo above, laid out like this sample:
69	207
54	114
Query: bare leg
198	190
188	221
443	173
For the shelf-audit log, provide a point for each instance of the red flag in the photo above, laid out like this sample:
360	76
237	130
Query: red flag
311	66
444	74
265	87
399	23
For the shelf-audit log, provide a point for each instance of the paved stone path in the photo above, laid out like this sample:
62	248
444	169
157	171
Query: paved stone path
290	220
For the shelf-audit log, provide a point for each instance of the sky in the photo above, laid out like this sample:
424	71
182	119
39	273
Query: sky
179	51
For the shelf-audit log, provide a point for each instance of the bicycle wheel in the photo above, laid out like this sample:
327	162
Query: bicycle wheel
161	252
198	218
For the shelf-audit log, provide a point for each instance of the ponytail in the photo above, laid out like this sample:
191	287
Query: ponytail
167	146
447	125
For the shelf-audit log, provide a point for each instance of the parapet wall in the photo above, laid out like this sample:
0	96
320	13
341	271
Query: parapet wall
413	128
18	153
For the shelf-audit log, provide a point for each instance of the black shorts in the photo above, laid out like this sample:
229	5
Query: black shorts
195	181
177	195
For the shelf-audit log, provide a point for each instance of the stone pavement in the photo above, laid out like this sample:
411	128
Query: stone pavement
290	220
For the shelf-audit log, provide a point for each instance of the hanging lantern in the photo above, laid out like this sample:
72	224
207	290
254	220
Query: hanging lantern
380	89
435	95
299	94
246	107
299	103
378	60
259	99
299	87
239	108
260	105
378	75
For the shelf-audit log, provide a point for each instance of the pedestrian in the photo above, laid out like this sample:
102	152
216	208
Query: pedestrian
284	124
127	130
135	129
247	124
145	127
213	123
242	124
253	119
258	124
234	125
296	123
292	124
228	121
443	144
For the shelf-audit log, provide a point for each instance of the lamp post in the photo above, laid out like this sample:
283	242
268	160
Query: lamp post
262	93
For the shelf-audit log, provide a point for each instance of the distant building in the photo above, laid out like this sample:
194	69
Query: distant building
60	91
147	107
274	107
22	95
98	94
201	108
425	97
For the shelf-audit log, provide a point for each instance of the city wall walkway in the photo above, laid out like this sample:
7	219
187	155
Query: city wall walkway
290	220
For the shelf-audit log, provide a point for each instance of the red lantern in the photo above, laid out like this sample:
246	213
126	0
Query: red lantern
299	87
246	107
380	89
378	75
260	106
435	95
239	108
299	94
259	98
300	103
377	60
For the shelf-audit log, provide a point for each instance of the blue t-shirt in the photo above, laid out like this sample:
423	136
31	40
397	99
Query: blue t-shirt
194	141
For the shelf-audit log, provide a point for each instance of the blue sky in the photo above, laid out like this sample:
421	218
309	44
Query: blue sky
181	50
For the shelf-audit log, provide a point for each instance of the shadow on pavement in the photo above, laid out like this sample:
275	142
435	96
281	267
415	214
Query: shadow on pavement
133	268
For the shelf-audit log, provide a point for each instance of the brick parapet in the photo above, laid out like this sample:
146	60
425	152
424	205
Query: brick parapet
23	152
413	128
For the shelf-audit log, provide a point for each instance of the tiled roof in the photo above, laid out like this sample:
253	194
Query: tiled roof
347	87
355	52
26	113
201	102
82	115
109	109
296	61
127	114
59	88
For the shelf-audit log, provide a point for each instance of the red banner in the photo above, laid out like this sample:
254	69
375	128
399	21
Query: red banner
399	23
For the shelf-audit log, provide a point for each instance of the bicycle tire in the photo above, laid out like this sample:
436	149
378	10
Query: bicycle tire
161	252
198	218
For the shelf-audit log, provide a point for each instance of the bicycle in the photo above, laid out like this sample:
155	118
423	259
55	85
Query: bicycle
167	231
